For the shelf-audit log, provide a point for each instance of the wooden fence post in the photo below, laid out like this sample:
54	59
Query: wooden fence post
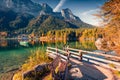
47	50
80	53
57	50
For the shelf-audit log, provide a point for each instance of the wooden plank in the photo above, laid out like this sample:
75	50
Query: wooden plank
107	61
62	51
105	55
101	54
62	56
95	62
103	60
99	59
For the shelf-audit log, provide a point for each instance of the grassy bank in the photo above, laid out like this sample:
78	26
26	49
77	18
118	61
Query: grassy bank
38	57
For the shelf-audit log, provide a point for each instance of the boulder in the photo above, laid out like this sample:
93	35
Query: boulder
101	44
37	71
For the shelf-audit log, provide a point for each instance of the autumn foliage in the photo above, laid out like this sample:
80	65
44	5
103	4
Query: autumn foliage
110	13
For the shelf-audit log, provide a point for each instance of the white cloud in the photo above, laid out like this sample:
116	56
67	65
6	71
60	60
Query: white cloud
60	4
89	12
88	17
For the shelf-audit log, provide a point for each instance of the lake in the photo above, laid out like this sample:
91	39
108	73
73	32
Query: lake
13	53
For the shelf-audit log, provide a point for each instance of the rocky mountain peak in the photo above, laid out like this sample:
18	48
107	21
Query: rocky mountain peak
67	11
68	15
21	6
46	9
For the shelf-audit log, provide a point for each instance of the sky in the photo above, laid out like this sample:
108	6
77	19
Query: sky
84	9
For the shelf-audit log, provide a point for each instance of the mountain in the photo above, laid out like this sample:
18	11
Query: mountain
68	15
25	16
10	20
46	9
44	23
22	6
65	14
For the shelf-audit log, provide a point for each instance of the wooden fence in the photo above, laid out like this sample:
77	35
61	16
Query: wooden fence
86	56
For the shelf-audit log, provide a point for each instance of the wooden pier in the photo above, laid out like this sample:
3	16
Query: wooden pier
86	65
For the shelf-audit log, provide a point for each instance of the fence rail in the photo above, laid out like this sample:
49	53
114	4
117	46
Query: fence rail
96	53
84	56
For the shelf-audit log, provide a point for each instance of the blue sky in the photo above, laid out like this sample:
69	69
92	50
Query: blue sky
82	8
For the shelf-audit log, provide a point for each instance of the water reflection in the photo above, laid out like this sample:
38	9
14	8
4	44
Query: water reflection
13	54
16	44
3	43
85	45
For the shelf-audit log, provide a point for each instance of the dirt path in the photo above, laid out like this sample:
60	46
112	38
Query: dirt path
85	71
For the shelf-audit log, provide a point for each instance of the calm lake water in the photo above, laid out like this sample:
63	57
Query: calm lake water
14	53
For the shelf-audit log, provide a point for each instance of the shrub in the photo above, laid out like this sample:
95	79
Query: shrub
37	57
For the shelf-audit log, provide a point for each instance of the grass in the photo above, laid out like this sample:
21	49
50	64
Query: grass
38	57
112	65
117	73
